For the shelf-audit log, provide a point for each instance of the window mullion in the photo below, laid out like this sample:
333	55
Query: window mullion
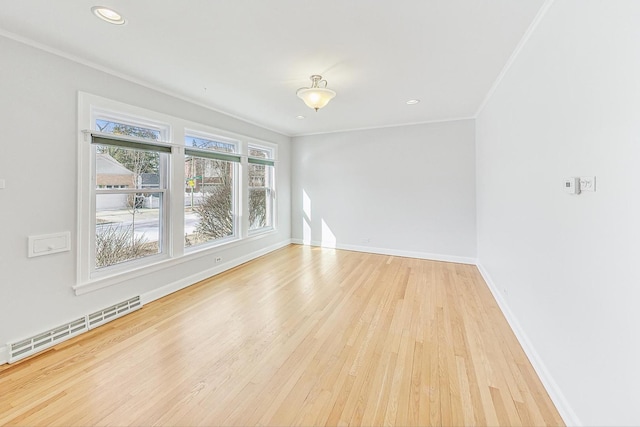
176	208
244	193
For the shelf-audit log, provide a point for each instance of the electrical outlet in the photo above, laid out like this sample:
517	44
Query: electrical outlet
366	240
218	259
588	183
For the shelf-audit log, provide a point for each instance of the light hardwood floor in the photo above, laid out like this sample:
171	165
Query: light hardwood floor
303	336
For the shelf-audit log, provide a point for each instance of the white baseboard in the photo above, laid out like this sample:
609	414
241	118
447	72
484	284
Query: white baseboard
163	291
566	412
392	252
4	354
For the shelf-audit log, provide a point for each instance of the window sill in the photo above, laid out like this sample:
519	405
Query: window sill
211	245
193	254
260	231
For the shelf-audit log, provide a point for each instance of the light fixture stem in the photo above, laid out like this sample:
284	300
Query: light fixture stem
317	80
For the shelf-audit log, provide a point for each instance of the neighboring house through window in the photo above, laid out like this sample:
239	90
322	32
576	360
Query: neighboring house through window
130	193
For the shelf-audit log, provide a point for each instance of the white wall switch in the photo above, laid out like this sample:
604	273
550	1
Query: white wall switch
47	244
587	183
572	185
2	184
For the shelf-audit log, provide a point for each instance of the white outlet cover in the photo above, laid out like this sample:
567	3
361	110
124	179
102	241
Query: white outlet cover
588	183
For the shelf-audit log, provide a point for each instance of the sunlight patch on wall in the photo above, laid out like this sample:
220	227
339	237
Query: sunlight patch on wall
328	238
306	220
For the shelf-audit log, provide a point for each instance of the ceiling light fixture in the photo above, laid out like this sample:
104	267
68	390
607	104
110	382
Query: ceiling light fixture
413	101
109	15
316	96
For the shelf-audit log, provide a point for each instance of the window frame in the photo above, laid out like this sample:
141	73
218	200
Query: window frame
174	129
164	214
90	108
236	205
272	150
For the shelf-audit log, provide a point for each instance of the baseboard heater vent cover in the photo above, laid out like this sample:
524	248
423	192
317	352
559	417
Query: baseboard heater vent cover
111	313
37	343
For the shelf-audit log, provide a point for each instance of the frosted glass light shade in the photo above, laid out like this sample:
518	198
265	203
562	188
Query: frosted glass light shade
316	97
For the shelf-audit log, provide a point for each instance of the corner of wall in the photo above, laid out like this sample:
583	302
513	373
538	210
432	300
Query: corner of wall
525	37
562	405
4	355
391	252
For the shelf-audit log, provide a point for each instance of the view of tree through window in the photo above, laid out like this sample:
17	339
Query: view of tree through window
260	190
128	197
209	192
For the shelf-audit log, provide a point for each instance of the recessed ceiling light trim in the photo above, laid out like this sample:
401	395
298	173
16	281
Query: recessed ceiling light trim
107	14
413	101
299	117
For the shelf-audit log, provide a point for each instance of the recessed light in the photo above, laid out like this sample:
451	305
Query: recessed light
109	15
299	117
413	101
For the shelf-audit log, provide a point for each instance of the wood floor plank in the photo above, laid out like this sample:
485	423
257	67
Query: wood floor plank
302	336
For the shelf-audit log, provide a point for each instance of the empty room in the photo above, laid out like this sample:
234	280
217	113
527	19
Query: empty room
236	213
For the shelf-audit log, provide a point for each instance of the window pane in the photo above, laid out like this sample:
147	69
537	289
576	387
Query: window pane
262	153
207	144
118	167
108	126
127	227
257	175
260	205
260	189
209	190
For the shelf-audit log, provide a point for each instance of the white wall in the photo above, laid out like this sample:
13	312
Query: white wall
410	190
567	266
38	160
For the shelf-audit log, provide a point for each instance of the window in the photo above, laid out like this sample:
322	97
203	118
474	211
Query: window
261	187
154	188
210	169
129	195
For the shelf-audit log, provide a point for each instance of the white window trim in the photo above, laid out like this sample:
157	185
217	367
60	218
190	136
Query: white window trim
164	220
273	148
175	251
238	183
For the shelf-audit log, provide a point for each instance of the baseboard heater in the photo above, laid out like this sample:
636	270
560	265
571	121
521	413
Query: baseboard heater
42	341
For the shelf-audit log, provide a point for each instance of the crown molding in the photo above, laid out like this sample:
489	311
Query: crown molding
516	52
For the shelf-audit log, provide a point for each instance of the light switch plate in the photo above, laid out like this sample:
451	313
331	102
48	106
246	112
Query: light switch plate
572	185
2	184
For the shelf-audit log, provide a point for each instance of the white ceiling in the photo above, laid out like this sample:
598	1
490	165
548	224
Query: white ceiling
248	57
